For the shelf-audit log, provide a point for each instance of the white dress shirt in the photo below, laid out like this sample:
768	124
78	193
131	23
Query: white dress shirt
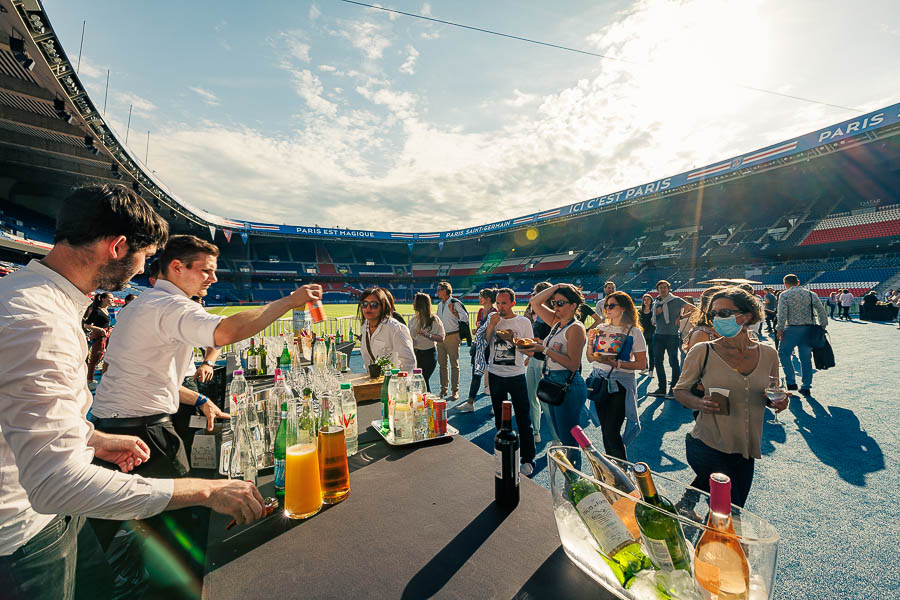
448	318
45	462
391	338
150	353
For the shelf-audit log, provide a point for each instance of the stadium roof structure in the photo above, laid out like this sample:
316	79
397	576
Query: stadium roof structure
53	136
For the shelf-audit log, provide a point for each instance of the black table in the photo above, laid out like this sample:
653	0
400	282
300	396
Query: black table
419	522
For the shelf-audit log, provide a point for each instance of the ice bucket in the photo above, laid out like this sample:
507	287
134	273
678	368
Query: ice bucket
758	539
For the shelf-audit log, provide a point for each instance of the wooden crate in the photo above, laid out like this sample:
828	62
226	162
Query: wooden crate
364	388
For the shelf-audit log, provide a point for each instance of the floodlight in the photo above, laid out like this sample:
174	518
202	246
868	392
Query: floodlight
17	47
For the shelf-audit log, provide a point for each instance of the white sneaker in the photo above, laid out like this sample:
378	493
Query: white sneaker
526	469
465	407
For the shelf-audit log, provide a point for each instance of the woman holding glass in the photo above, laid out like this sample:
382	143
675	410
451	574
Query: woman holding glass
426	330
562	349
736	371
382	335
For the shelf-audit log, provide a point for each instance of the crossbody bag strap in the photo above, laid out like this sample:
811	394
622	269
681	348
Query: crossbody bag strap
545	369
368	346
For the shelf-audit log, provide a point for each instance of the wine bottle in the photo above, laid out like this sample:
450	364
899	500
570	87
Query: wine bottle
720	565
506	461
661	532
281	450
619	548
608	472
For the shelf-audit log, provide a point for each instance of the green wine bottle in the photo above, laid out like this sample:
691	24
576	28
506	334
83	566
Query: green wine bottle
281	451
618	548
662	533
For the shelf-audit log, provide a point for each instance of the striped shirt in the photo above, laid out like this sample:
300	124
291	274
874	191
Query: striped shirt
796	306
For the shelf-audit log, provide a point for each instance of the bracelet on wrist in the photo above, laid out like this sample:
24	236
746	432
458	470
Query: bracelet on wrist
201	400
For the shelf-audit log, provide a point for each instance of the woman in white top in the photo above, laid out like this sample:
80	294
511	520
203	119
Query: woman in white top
426	329
562	349
382	335
613	383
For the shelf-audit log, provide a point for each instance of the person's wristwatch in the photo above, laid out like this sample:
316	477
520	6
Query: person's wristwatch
207	363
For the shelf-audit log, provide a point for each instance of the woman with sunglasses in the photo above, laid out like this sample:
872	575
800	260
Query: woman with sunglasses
617	349
646	316
562	348
479	350
426	330
701	324
728	433
381	334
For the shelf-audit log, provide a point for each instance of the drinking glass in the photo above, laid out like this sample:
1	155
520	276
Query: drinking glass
775	392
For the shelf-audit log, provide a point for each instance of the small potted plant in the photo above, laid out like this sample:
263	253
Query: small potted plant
377	368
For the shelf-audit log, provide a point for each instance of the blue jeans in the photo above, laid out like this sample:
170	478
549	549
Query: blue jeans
671	344
63	561
796	336
566	416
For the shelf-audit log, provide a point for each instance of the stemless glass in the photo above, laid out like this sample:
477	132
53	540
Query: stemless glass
775	392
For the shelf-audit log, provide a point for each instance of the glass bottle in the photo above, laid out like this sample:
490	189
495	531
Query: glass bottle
385	403
720	565
661	532
348	410
263	356
402	418
285	361
281	450
333	468
506	461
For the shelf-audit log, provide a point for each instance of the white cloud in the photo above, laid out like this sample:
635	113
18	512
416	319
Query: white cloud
295	47
520	99
309	87
328	68
140	106
366	36
207	96
314	12
89	69
409	65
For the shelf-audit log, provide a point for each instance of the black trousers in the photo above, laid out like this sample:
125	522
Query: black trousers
770	320
183	532
611	411
63	561
427	361
845	312
516	390
665	343
705	461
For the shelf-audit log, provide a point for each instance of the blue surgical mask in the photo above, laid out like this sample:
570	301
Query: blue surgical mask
727	326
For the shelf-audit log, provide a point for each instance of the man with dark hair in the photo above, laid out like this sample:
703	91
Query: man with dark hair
770	305
506	371
667	309
104	234
795	314
152	349
128	298
451	313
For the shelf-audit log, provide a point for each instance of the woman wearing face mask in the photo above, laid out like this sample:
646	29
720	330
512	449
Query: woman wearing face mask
727	436
562	348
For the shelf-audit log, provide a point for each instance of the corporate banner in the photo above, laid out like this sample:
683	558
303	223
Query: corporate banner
821	138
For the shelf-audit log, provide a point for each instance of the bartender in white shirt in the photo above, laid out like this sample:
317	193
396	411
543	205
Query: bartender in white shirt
103	234
382	335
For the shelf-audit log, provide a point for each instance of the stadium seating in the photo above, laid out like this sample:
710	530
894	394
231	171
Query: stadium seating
873	224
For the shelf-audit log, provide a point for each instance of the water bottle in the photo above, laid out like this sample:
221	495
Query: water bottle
332	355
348	408
393	392
320	353
417	397
281	393
404	421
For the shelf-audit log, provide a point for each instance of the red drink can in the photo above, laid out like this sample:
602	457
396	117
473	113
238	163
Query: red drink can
316	311
440	417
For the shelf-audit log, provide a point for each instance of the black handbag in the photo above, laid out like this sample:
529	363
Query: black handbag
816	332
549	391
823	357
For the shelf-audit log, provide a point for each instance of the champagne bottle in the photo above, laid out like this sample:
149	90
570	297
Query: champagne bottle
285	362
252	359
619	548
263	365
720	565
506	461
608	472
661	532
281	450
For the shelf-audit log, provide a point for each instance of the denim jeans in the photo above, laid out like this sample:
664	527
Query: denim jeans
567	415
796	336
514	389
671	344
63	561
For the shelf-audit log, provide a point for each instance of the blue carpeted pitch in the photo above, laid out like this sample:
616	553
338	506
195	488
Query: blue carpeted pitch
828	479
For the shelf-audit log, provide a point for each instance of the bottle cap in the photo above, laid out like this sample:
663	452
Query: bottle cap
720	493
346	386
417	371
404	374
580	438
506	414
238	372
277	372
394	371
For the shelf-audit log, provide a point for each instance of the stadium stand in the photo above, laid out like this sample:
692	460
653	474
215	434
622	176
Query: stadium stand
869	225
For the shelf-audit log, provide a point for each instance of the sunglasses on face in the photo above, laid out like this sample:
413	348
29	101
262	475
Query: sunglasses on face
610	306
559	303
723	313
373	304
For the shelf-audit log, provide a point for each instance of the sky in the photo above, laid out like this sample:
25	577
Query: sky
332	114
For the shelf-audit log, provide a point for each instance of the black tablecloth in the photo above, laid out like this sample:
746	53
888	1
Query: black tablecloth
419	522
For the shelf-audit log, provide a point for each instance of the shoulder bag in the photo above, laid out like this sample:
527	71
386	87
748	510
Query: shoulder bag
549	391
816	332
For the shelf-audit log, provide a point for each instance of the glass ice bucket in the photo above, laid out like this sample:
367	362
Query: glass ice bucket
757	538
